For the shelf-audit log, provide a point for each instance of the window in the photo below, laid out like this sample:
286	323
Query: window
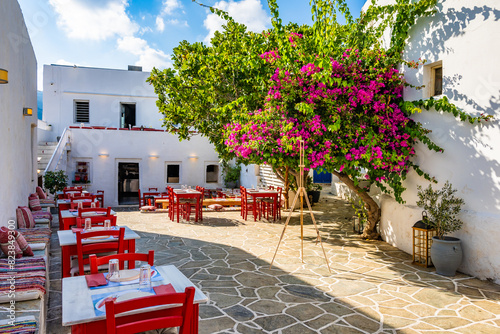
173	172
212	173
127	119
82	112
437	78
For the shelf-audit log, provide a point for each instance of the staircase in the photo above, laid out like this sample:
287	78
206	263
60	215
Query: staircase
45	152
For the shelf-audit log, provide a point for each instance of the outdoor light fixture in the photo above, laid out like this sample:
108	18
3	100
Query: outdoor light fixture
4	76
27	111
192	156
104	155
153	156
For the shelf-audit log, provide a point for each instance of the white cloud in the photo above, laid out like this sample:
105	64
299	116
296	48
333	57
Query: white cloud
176	22
83	20
160	25
148	57
169	6
248	12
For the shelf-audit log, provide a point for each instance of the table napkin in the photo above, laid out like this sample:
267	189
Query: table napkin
95	280
164	289
76	229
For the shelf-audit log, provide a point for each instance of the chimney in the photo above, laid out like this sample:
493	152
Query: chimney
135	68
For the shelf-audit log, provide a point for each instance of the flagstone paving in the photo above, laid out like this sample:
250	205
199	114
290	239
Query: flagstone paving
372	287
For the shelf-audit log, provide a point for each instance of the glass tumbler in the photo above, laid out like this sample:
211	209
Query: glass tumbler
107	224
80	205
92	204
113	270
88	224
145	278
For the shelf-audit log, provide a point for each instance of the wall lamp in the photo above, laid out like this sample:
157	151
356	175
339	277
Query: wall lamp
4	76
192	156
104	155
153	156
27	111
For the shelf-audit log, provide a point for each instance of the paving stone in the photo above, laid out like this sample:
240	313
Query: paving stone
321	321
215	325
268	292
224	301
475	313
223	271
209	311
297	329
478	329
254	280
362	323
267	307
304	312
439	300
306	292
337	329
239	313
274	322
336	309
447	322
244	329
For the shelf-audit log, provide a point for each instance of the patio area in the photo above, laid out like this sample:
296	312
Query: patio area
373	288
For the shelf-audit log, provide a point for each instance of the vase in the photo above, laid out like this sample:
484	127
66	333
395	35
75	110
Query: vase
446	255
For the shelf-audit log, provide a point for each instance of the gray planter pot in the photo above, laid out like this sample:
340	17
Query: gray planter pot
446	255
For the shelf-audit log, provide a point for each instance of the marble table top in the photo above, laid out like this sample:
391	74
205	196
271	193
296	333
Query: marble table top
68	238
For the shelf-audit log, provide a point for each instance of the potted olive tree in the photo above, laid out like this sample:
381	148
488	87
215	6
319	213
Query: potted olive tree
231	175
443	207
55	181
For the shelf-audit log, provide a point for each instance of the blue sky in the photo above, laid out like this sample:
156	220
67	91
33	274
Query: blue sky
117	33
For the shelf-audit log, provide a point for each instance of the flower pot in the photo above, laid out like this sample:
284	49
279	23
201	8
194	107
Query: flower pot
315	195
446	255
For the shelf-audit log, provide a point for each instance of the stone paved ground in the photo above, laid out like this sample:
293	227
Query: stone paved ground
373	288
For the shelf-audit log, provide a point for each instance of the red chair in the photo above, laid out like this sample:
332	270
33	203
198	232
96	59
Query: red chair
130	258
96	221
179	317
153	189
99	211
247	205
268	208
100	196
99	247
86	204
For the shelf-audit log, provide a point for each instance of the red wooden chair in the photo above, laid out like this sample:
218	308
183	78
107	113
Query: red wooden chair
100	196
247	205
268	208
179	317
99	247
85	204
130	258
85	212
96	220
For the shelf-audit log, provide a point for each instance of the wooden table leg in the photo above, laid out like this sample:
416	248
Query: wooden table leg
65	262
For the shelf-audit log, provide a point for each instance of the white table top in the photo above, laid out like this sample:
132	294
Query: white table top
186	191
68	201
68	238
68	214
77	306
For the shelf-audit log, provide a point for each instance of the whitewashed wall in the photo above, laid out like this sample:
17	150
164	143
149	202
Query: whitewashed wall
137	146
17	132
104	88
463	35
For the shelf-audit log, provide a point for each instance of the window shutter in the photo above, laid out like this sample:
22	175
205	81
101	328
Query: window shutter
82	112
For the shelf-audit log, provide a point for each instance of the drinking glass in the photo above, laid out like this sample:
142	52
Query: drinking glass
88	224
145	278
80	205
92	204
113	270
107	224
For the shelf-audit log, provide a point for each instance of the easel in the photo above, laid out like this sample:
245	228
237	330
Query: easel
301	191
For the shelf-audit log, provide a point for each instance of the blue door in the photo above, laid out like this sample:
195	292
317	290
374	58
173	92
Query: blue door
323	177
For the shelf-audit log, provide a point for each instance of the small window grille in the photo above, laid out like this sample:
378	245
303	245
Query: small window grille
82	112
437	77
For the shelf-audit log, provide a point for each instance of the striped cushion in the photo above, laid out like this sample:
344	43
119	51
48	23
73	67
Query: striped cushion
11	246
26	325
216	207
41	194
42	214
23	244
25	218
34	203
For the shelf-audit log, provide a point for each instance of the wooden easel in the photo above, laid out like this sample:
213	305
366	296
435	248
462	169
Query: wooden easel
301	191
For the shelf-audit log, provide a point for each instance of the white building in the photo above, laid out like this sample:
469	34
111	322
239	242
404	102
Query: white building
460	43
92	110
18	134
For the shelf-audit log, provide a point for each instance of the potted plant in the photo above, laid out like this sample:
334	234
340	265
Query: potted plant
55	181
443	207
231	174
314	190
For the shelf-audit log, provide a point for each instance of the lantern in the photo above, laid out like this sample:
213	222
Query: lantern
358	225
422	241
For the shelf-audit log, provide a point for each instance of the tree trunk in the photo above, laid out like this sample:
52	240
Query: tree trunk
374	212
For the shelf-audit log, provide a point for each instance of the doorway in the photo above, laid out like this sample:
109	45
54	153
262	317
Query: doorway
128	183
127	118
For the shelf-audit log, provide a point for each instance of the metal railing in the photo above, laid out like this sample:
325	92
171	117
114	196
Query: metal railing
58	152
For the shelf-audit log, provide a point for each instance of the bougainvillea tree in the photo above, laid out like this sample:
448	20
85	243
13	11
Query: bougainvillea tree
333	86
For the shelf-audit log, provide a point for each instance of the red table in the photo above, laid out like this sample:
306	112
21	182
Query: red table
67	241
186	194
262	194
68	219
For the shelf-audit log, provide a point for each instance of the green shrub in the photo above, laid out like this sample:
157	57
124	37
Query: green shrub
55	181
